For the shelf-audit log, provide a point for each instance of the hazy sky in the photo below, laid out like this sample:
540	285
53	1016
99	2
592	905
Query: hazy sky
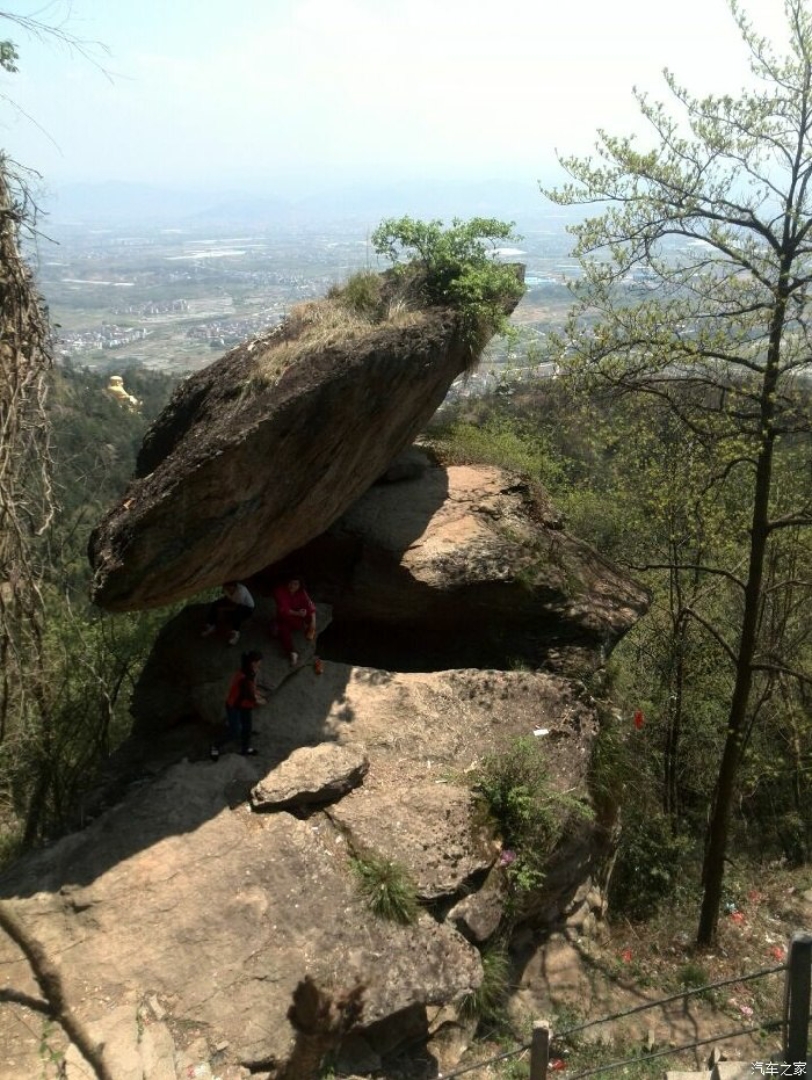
268	94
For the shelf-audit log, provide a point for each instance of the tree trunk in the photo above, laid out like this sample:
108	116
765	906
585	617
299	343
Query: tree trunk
716	847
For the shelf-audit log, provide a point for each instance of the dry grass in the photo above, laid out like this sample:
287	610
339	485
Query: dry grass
319	325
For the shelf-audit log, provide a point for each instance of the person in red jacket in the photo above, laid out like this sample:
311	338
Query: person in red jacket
243	697
294	611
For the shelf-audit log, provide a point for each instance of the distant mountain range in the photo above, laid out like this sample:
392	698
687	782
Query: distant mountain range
117	203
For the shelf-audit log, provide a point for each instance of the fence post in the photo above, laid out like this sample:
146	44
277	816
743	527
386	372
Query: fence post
797	998
540	1050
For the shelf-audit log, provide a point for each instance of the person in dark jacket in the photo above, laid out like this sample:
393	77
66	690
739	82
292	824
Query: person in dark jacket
235	606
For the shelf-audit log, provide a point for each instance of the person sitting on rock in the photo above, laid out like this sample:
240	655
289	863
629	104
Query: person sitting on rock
235	605
243	697
294	611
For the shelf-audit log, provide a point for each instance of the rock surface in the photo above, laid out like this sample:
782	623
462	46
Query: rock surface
215	913
258	454
314	774
188	678
464	566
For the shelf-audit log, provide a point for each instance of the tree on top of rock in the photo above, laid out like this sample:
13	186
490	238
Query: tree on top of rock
713	225
457	265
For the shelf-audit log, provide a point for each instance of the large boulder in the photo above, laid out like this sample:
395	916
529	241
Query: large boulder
265	448
463	566
181	922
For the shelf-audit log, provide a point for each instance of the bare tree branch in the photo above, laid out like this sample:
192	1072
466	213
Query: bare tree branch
50	983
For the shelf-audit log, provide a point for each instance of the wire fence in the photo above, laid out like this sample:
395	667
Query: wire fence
797	968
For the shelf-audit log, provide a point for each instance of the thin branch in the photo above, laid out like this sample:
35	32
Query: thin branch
714	634
697	567
50	983
782	669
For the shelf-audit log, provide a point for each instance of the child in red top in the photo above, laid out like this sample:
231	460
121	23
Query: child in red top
241	701
294	611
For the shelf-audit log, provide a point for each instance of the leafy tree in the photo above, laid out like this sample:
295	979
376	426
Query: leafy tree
456	266
713	221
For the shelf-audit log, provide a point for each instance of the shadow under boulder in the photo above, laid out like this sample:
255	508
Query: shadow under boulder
463	567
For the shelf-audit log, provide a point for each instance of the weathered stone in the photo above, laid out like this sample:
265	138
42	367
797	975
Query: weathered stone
478	915
588	925
357	1056
575	920
410	464
217	914
314	774
221	913
460	567
118	1032
450	1035
261	451
428	832
158	1052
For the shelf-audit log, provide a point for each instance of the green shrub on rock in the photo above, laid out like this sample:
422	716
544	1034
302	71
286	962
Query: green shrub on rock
456	266
528	813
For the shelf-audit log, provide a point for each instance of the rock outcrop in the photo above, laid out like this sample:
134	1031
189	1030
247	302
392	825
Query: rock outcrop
465	566
450	568
184	918
265	448
182	922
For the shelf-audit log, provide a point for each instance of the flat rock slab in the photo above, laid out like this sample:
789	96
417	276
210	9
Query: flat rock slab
314	774
208	917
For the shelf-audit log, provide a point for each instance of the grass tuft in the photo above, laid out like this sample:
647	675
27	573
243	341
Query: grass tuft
387	888
487	1002
318	325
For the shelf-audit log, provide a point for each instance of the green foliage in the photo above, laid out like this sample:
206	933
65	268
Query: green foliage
52	750
92	661
529	814
515	1068
625	476
650	865
50	1056
8	56
501	441
455	265
11	839
362	295
692	975
714	213
94	442
387	888
487	1002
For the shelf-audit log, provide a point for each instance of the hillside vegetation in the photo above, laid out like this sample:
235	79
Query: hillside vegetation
626	479
46	769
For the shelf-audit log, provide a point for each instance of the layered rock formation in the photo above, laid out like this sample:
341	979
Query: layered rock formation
463	567
183	920
264	449
200	903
